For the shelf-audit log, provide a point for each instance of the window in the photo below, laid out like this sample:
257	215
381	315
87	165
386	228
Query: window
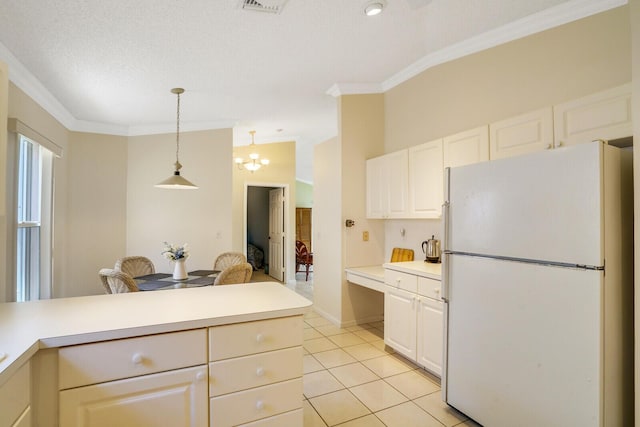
33	234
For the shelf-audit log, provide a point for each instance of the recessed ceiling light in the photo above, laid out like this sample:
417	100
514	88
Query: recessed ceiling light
373	7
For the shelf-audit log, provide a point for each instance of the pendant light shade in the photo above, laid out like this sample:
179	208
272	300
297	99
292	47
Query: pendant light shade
176	181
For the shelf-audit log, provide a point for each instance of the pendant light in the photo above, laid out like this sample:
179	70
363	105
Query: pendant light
176	181
255	162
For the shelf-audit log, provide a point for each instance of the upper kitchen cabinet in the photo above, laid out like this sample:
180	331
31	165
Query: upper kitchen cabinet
467	147
388	185
426	180
523	134
603	115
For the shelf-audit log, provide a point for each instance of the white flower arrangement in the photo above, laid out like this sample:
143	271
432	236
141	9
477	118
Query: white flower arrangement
175	253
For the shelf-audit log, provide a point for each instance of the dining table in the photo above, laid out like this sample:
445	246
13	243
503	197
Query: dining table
162	281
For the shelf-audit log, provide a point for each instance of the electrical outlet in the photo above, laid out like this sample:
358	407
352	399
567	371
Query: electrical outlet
365	236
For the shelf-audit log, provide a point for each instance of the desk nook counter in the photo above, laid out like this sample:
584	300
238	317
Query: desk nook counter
222	355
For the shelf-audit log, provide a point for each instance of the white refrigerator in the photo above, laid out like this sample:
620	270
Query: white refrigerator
537	284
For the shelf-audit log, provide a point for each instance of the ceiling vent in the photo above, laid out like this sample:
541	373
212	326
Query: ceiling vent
270	6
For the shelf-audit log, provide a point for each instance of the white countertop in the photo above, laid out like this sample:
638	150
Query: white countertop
419	268
28	326
372	276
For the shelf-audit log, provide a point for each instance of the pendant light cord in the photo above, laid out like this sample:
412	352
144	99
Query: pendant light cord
178	129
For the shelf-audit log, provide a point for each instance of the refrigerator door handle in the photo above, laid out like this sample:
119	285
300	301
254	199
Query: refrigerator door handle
445	215
445	277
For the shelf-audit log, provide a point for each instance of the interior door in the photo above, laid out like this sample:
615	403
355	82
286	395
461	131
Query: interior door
276	234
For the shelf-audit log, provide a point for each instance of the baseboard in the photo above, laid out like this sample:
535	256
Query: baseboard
337	322
363	320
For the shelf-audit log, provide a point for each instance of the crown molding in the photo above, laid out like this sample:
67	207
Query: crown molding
29	84
541	21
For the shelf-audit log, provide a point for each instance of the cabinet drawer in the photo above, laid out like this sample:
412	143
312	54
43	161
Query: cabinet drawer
429	287
397	279
227	376
105	361
292	418
255	404
15	395
242	339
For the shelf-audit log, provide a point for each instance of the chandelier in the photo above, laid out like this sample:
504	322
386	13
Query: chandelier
254	162
176	181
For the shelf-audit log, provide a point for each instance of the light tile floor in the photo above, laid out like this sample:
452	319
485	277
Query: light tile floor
352	379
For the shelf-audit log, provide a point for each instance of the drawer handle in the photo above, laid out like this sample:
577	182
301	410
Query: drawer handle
259	405
137	359
259	338
436	290
260	371
200	376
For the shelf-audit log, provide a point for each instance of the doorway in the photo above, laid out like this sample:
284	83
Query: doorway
266	229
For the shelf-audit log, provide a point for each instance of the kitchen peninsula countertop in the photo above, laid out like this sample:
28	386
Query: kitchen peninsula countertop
372	276
26	327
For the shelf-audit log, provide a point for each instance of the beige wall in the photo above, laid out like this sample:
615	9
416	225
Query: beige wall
281	172
201	218
327	230
96	213
341	196
557	65
361	136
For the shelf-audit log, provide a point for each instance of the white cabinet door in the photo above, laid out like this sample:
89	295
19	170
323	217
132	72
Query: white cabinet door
467	147
426	180
604	115
397	169
400	321
174	398
521	135
388	185
430	334
377	188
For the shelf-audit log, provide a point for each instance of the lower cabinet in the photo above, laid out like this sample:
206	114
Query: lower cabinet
246	374
174	398
400	321
15	399
144	381
413	327
430	334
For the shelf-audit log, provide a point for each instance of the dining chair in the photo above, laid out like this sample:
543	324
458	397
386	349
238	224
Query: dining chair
135	266
227	259
303	258
238	273
116	281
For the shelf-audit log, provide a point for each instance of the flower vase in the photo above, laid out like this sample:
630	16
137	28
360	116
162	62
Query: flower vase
179	270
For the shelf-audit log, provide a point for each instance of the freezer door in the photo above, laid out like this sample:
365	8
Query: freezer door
523	343
544	206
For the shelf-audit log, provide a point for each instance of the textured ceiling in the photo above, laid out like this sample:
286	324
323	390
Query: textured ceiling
110	65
